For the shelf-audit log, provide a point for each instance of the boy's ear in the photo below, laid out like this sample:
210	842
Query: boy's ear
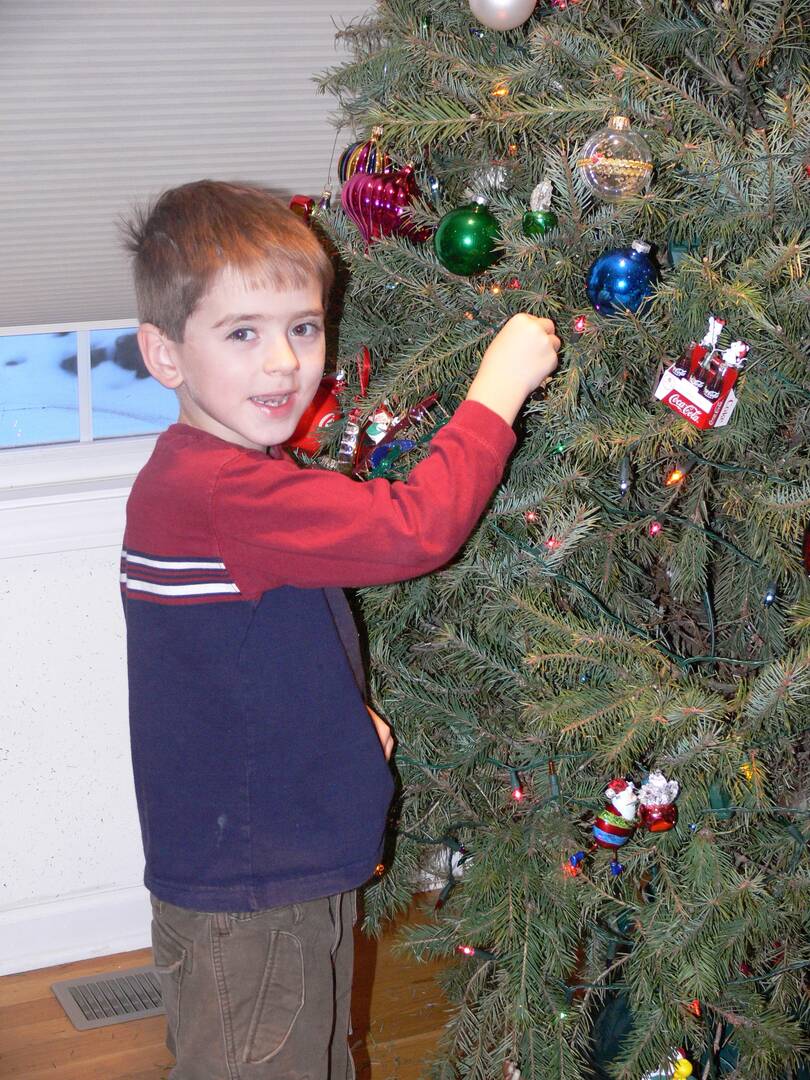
159	356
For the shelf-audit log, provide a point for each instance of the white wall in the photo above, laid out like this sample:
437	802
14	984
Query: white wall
70	878
70	853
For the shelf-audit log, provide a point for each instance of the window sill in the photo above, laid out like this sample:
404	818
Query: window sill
67	497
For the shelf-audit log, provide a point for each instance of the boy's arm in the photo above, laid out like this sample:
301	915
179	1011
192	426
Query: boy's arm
277	524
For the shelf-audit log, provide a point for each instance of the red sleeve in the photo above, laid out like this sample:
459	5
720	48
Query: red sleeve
278	524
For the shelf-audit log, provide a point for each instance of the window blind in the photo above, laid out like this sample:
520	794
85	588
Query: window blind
104	103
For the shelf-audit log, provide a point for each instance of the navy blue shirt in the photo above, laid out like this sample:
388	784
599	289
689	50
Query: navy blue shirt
259	775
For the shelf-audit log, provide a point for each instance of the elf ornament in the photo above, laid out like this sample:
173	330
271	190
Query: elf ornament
657	810
614	826
467	238
616	162
539	219
622	279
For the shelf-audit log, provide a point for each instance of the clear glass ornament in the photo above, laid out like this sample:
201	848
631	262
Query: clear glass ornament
616	162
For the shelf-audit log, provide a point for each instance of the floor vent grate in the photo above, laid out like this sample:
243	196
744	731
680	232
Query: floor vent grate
99	1000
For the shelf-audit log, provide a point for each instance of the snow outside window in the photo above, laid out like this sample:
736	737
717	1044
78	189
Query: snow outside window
80	383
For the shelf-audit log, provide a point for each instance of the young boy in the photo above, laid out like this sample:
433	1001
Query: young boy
261	781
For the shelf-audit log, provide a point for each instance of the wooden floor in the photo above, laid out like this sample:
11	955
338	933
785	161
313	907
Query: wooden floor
397	1016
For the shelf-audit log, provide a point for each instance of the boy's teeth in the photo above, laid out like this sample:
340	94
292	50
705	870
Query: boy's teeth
273	402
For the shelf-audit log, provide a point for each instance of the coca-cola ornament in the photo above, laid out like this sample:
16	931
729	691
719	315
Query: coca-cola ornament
656	803
616	823
321	413
700	385
381	205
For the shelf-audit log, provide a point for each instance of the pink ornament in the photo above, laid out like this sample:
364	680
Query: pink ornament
380	205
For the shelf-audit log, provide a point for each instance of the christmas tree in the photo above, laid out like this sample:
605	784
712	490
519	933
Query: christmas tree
630	620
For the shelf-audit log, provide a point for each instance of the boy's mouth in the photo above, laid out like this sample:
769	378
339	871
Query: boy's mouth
271	401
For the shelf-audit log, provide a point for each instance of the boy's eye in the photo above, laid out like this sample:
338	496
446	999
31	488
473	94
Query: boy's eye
306	329
242	333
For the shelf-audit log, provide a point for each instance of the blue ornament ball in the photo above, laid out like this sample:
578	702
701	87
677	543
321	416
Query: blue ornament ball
622	279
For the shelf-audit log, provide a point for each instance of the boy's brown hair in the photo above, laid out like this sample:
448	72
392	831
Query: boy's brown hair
192	232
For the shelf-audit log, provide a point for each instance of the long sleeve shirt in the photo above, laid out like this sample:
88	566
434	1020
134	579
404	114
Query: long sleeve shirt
259	776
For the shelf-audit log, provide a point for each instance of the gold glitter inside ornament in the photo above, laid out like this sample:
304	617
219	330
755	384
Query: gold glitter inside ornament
616	162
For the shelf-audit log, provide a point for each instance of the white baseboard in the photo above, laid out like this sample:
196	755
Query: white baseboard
74	928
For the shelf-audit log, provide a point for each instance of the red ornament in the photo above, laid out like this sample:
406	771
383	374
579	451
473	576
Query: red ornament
380	205
806	548
302	205
657	810
322	411
658	818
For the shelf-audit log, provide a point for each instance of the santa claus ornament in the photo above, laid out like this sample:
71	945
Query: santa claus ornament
616	823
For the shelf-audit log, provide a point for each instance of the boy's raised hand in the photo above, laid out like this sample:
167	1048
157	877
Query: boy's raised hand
518	360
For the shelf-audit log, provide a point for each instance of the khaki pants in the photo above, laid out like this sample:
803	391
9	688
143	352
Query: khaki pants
257	995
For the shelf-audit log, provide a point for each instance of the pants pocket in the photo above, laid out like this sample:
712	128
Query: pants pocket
280	1000
173	957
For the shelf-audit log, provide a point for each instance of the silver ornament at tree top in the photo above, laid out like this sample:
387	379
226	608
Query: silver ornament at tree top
502	14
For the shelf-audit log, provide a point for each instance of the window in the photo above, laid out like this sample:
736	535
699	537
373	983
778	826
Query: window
77	383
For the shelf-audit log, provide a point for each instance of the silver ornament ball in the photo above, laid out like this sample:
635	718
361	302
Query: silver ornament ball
502	14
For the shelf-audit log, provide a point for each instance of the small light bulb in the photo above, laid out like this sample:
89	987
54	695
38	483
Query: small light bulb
500	89
466	950
517	790
531	517
655	528
771	593
552	543
469	315
625	479
580	324
675	477
496	289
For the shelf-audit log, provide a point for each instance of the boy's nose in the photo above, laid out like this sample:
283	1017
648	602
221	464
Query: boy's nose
280	357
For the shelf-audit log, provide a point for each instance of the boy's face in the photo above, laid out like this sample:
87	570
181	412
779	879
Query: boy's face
251	360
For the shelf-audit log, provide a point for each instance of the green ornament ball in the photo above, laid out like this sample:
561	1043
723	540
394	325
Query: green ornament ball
467	239
538	222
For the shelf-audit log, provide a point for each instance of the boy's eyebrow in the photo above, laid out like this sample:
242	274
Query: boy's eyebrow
315	312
